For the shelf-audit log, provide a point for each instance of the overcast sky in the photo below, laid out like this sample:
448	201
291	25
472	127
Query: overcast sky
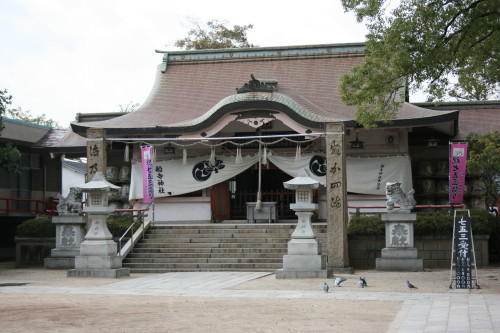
63	57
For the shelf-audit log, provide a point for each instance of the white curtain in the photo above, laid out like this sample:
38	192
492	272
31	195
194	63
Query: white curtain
365	175
174	177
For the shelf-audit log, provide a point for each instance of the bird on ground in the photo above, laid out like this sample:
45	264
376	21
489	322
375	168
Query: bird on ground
325	287
362	282
410	285
338	280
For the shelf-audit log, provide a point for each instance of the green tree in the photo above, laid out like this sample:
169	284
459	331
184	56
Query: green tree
215	35
5	99
484	161
447	48
20	114
9	155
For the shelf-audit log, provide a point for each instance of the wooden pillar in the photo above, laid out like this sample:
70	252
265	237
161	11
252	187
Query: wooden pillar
336	191
96	152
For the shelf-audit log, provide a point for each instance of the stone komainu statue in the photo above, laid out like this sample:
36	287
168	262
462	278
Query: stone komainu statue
395	195
72	204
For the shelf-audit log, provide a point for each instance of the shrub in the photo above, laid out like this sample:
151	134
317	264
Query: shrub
366	225
118	224
434	224
37	227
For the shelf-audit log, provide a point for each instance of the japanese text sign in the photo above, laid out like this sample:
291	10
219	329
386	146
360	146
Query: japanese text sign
148	187
463	252
458	161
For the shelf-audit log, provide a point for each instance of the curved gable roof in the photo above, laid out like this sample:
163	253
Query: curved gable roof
195	88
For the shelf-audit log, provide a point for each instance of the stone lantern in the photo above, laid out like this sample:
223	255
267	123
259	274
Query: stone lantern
98	253
304	259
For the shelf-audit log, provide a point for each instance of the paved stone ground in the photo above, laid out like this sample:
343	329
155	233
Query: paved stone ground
446	311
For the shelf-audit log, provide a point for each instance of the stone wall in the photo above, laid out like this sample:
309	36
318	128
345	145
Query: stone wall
435	251
33	251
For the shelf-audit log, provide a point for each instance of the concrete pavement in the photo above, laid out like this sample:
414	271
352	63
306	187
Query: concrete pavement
454	311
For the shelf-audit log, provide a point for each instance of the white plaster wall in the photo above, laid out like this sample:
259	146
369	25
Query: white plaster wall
182	211
372	201
71	178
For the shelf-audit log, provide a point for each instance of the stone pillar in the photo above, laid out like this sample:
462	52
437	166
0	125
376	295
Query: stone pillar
70	231
96	152
336	192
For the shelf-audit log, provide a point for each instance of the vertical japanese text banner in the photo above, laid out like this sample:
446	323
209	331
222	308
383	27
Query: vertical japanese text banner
148	188
463	252
458	161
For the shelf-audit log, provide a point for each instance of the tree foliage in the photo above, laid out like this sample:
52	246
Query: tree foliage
5	99
19	114
9	155
447	48
215	35
484	160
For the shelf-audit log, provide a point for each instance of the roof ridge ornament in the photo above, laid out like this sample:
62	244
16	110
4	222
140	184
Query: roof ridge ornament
258	85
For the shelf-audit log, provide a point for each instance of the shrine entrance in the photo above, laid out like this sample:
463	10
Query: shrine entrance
243	188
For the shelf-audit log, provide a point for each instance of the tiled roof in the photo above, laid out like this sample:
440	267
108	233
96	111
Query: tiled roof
79	167
474	116
190	87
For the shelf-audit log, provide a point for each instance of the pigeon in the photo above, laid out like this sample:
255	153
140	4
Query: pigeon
411	286
338	280
362	282
325	287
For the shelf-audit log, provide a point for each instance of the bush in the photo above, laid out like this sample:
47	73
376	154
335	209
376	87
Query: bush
441	224
38	228
118	224
366	225
435	224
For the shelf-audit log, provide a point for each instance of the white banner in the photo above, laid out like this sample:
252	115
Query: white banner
365	175
368	175
174	178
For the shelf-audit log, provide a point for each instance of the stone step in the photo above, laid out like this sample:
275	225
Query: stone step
180	270
218	235
211	266
216	240
129	261
207	255
213	247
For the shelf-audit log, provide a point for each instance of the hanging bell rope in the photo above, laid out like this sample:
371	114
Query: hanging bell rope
258	204
297	152
239	158
212	156
184	156
126	158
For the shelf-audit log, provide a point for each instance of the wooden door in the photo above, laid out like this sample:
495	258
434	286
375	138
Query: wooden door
220	201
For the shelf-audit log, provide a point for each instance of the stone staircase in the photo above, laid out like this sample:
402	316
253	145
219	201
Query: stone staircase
214	247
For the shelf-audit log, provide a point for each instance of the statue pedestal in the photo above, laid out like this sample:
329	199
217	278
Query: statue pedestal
70	231
399	253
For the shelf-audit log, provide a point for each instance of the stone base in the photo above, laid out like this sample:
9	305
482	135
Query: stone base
99	273
289	274
304	262
98	262
341	270
59	262
399	253
65	252
403	265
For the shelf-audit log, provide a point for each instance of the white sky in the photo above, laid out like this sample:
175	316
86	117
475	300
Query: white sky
62	57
